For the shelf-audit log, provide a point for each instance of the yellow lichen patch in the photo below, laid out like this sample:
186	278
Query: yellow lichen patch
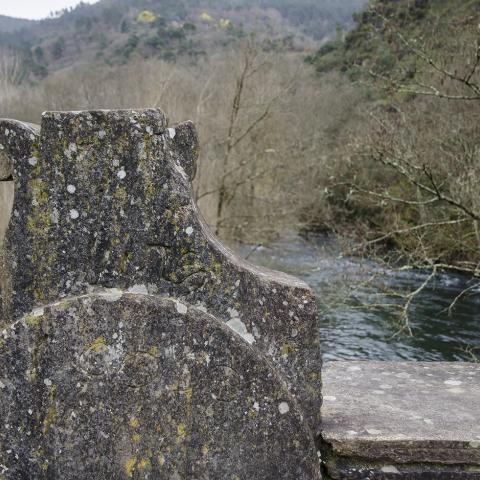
129	466
188	392
181	432
49	419
39	223
252	413
286	350
143	464
146	17
116	242
123	262
161	460
39	295
153	351
205	450
37	452
173	387
38	190
33	320
120	195
134	422
136	438
98	345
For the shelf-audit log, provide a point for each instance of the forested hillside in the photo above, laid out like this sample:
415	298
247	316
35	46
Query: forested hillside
115	31
9	24
404	171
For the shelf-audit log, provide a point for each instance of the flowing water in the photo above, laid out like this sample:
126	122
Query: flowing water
355	298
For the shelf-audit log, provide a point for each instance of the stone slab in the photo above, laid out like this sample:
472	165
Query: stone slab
104	199
118	385
401	420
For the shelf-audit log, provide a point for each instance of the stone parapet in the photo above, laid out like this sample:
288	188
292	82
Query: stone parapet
401	420
103	202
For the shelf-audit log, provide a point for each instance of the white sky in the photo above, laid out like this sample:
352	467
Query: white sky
35	9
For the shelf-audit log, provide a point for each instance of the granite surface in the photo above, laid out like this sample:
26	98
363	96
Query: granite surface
401	420
133	344
117	385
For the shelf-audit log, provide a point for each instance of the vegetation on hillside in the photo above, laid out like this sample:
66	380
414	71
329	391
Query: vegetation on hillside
402	177
116	31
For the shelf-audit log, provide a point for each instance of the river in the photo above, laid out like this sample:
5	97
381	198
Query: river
348	289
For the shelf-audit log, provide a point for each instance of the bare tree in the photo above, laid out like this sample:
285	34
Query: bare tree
423	182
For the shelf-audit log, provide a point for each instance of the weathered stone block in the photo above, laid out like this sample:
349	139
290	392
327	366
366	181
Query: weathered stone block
113	385
103	200
401	420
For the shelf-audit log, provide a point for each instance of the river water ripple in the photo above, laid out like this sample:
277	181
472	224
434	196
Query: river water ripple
351	292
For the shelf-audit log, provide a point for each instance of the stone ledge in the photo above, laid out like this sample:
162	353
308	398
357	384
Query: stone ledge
401	420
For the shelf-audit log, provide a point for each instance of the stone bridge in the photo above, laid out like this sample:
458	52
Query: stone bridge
133	344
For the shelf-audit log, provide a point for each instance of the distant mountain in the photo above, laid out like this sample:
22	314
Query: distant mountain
117	31
10	24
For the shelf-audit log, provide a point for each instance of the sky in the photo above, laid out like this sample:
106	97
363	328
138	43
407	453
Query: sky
35	9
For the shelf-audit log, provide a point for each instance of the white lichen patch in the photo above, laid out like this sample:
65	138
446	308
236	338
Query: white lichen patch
353	369
38	312
238	326
32	161
74	214
329	398
189	231
71	189
47	382
172	133
111	295
72	148
139	289
180	170
389	469
456	390
181	308
121	174
453	383
283	408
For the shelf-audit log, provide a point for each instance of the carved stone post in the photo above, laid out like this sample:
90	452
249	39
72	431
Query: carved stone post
134	344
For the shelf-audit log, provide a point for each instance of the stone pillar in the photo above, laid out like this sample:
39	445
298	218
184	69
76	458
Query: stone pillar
134	344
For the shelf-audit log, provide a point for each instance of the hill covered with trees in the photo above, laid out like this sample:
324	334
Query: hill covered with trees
404	170
115	31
